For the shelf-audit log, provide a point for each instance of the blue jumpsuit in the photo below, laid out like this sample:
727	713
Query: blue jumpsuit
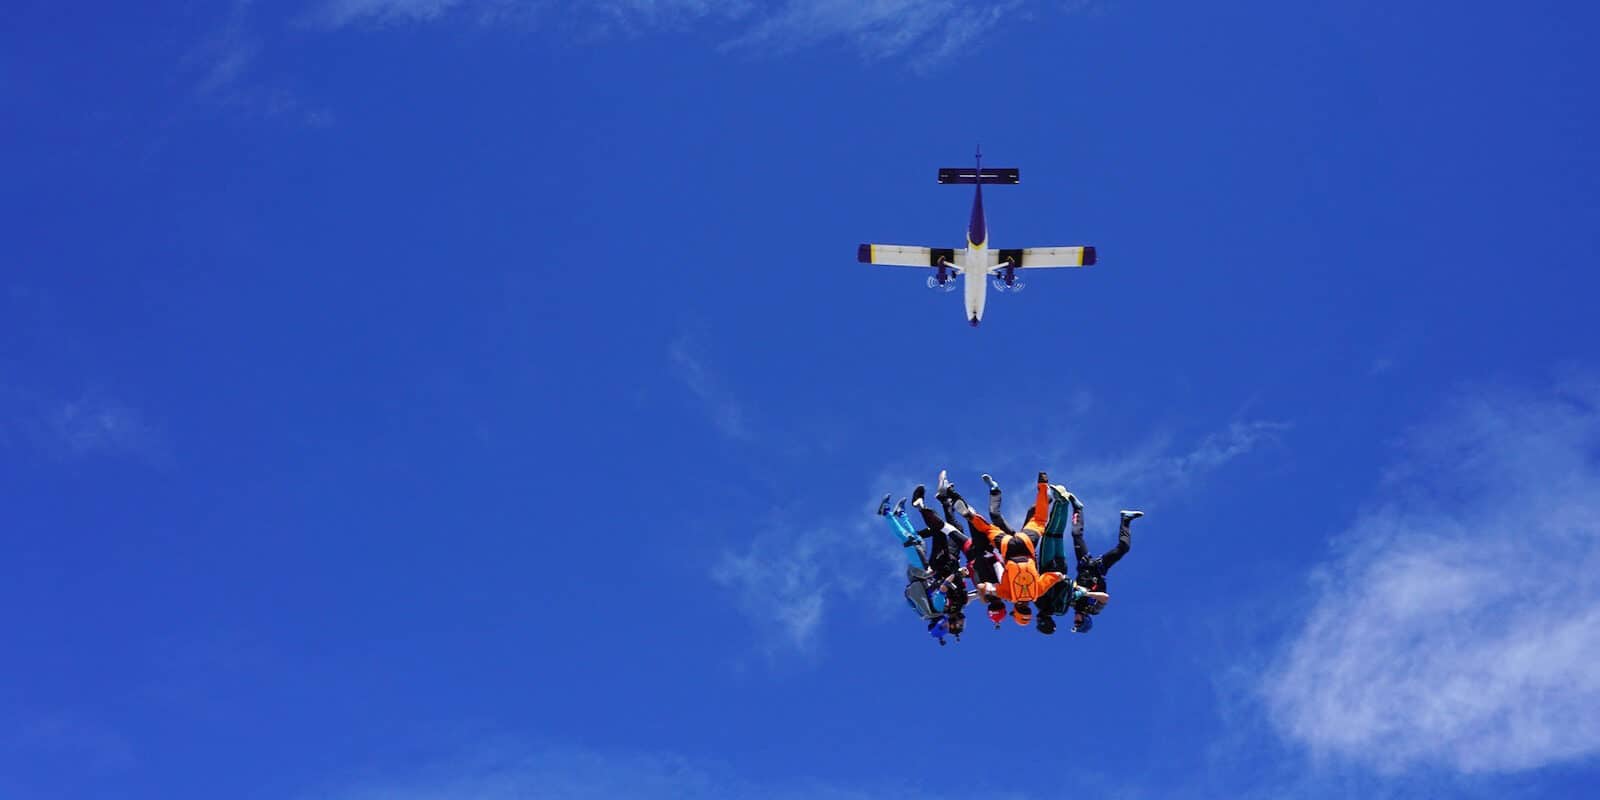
920	596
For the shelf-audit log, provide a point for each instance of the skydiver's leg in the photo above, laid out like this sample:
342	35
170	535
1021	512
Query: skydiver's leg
1033	529
982	567
958	504
948	542
995	515
1053	551
1041	508
909	541
1079	549
941	560
981	528
1124	542
957	533
1053	558
1060	515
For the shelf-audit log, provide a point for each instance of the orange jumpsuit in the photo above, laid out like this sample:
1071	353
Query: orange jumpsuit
1021	581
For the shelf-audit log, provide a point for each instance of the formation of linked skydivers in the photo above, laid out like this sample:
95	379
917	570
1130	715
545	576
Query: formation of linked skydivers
1025	568
976	261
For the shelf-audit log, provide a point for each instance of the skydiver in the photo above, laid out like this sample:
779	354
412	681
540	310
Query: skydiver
1058	599
1092	570
983	563
920	588
1021	582
948	542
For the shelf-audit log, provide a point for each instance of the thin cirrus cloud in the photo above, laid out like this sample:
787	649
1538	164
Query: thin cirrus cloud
1459	626
92	425
877	27
719	402
339	13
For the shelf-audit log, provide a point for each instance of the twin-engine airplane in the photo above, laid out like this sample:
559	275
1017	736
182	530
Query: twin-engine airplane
976	261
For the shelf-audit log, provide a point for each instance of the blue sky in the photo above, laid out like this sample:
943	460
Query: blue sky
472	398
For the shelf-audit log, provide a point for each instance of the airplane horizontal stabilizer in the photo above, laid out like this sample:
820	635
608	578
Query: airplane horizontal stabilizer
985	175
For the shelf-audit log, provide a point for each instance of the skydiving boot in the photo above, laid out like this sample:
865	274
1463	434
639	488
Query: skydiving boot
883	506
900	508
994	488
945	487
1043	478
1130	516
957	503
917	494
1066	496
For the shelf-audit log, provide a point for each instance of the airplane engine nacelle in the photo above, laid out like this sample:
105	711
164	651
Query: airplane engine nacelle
942	278
1005	280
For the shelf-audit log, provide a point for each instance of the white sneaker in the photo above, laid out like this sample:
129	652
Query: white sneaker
1065	496
1129	516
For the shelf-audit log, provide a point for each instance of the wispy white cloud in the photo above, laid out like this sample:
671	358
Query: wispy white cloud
1459	625
933	29
778	580
1152	470
338	13
94	424
219	63
724	408
878	28
223	70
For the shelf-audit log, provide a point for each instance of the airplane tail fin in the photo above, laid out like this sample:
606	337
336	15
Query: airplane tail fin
986	175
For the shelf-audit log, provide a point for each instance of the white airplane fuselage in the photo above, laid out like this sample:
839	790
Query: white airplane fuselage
975	261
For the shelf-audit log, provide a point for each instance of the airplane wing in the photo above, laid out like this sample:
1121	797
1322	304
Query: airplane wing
1043	257
899	255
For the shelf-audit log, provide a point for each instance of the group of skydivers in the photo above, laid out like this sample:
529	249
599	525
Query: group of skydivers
1004	565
